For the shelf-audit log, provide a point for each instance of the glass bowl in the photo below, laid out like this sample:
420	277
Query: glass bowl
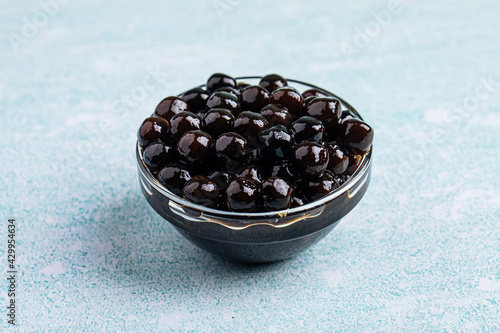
257	237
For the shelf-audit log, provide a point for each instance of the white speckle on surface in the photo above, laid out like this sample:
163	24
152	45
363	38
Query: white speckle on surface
488	284
494	201
439	116
54	268
76	246
82	118
488	120
104	247
333	278
172	318
50	220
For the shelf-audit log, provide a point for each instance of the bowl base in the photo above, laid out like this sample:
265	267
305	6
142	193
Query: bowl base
256	253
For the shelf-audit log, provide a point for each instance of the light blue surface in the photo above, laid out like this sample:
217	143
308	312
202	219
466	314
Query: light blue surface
420	252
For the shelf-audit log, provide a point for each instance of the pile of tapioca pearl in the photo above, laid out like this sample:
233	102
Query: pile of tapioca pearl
250	148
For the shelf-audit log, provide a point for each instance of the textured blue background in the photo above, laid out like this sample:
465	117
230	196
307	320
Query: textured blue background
420	252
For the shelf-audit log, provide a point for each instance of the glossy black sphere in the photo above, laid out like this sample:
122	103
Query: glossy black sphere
182	122
272	82
357	136
325	109
307	129
254	98
243	195
219	80
153	129
221	178
318	187
224	100
196	98
276	115
310	158
338	159
352	166
229	90
194	147
202	191
170	106
307	101
250	125
290	98
314	93
231	147
297	201
277	143
158	154
174	177
286	171
276	193
217	121
252	171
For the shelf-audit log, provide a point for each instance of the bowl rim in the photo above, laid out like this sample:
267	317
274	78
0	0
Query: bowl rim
356	177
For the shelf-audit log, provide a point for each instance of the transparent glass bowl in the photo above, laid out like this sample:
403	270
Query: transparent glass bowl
257	237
